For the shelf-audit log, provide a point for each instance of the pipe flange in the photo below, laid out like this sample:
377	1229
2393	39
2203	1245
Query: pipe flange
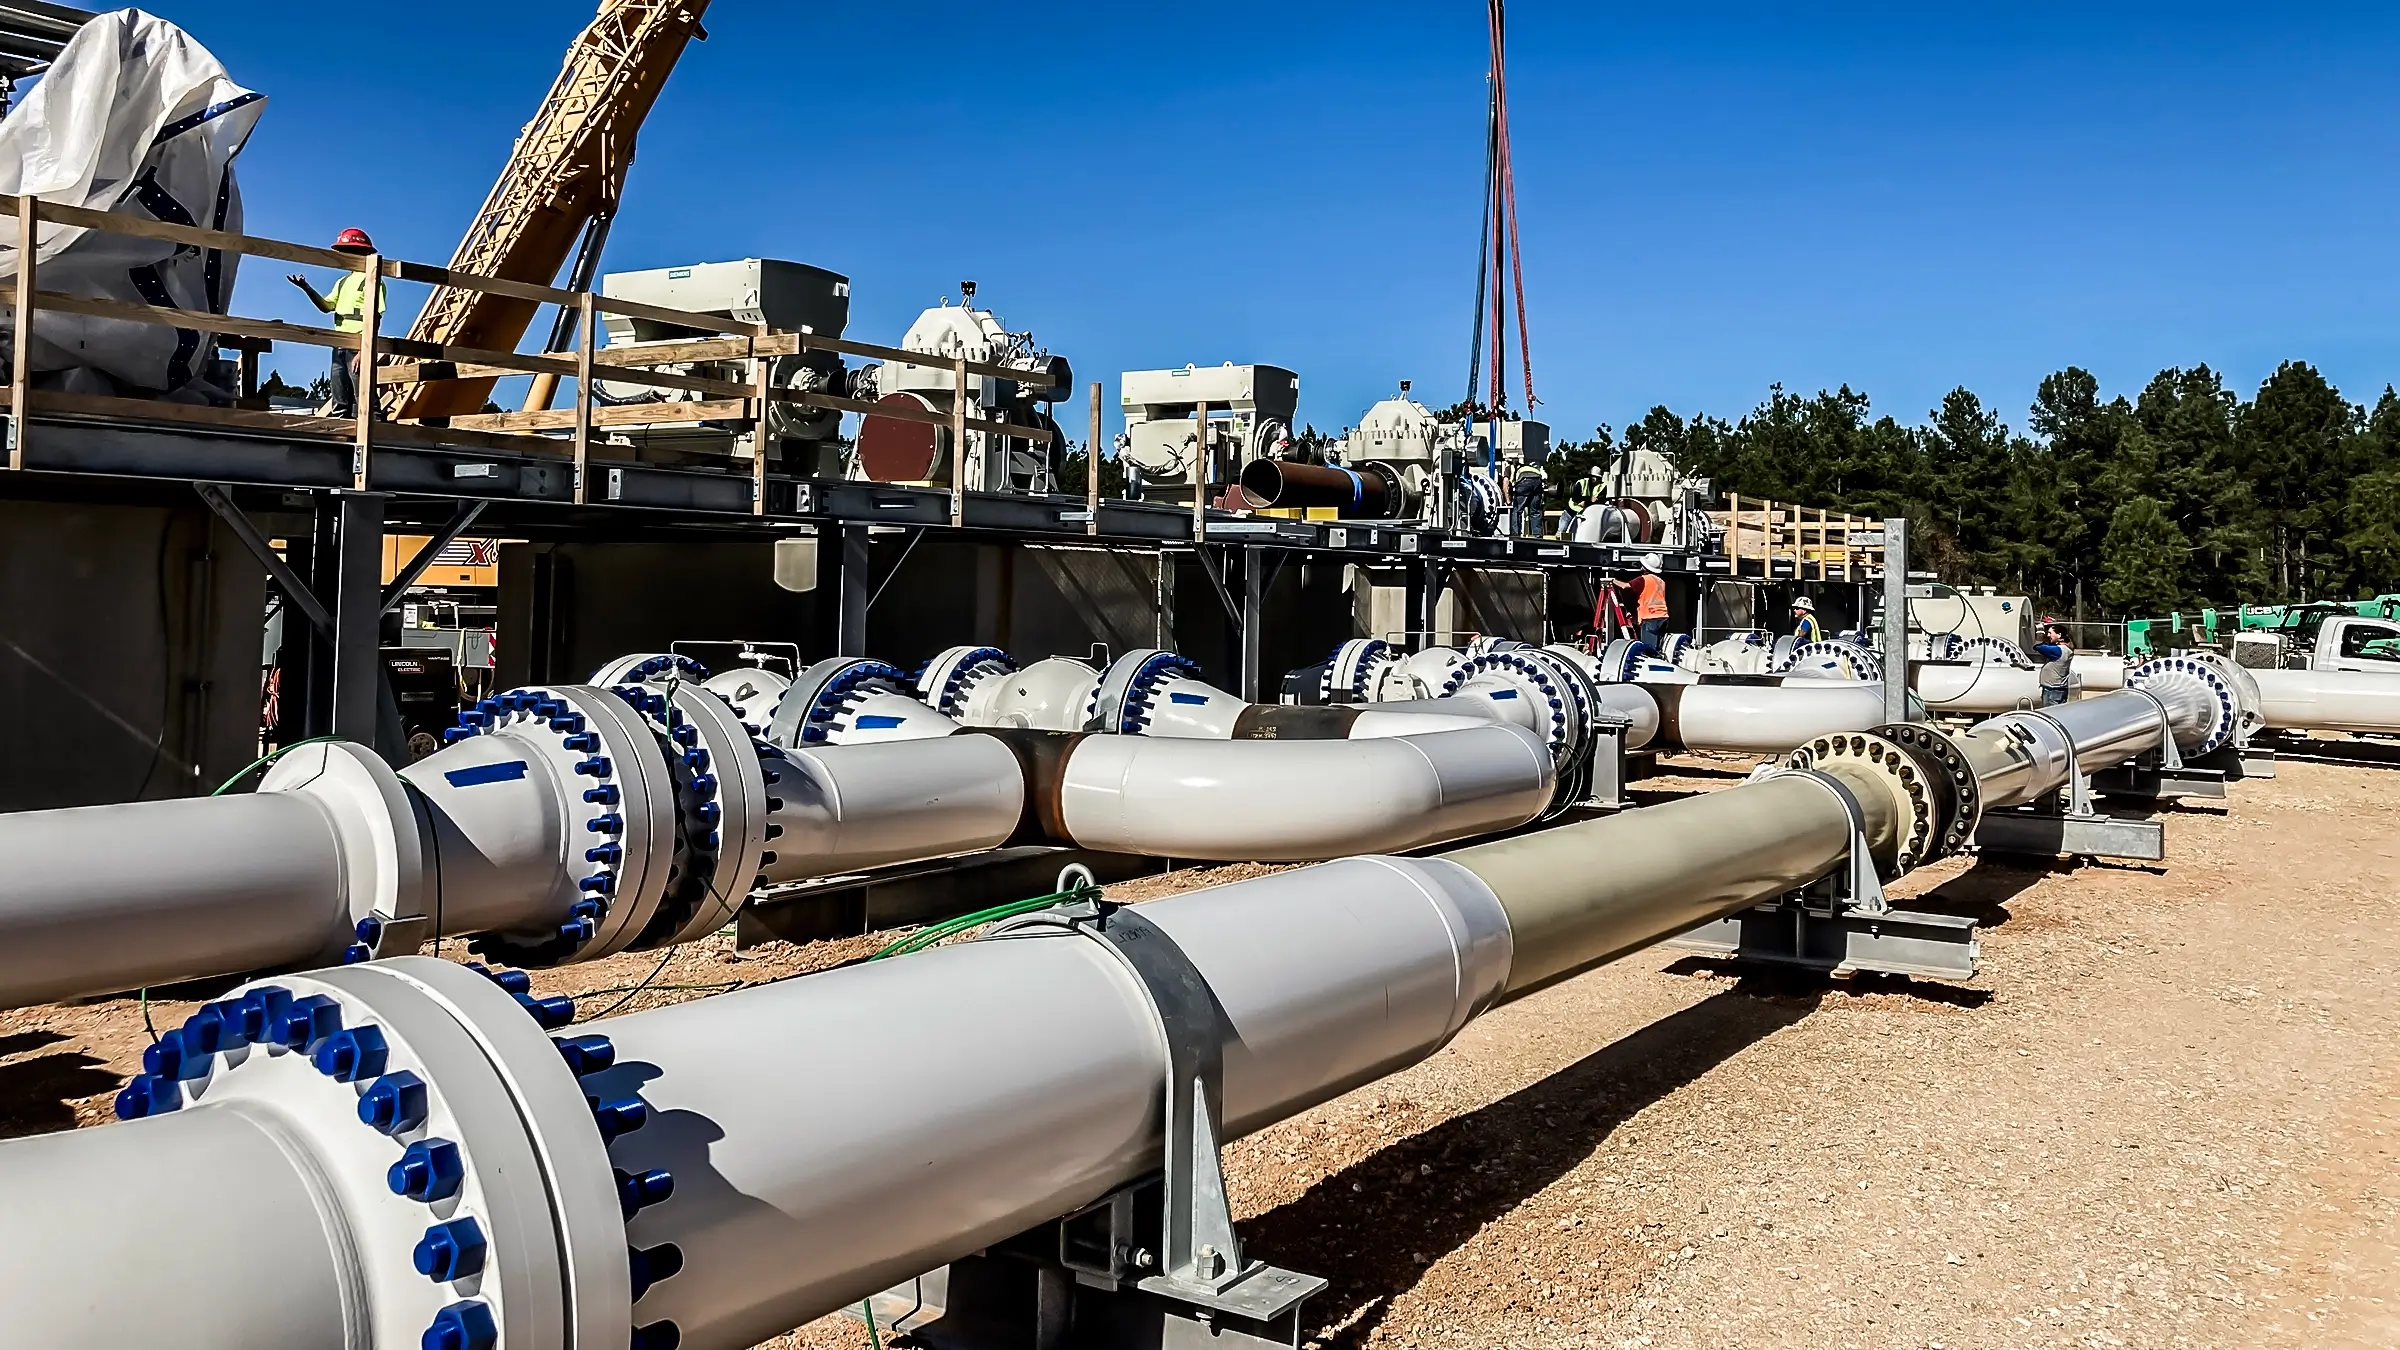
2223	702
1848	657
2249	717
1672	647
948	679
621	847
1554	699
1350	675
1621	660
752	692
383	852
1120	701
805	714
1896	766
644	667
1994	651
1945	764
449	1139
722	804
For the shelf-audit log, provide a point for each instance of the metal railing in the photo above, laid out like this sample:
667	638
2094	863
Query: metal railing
390	363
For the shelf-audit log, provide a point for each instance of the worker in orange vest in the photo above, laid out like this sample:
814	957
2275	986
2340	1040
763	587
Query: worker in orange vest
1648	601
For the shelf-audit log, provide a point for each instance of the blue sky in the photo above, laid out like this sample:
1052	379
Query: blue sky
1713	198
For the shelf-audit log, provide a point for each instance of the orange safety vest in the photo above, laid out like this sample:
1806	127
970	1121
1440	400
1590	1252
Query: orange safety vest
1650	601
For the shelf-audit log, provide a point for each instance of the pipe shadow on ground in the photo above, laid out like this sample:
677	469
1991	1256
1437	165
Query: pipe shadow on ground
1373	1227
1983	891
35	1093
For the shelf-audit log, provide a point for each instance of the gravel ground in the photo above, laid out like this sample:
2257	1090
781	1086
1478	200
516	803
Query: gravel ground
2164	1116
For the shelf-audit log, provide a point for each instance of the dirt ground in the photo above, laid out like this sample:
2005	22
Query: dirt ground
2164	1116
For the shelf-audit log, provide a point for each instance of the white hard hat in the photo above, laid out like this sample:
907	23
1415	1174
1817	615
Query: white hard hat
1805	605
1652	562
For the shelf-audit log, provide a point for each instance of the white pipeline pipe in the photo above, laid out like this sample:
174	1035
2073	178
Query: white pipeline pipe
2329	700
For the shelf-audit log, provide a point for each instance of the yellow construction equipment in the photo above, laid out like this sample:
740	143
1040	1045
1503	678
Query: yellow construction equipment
562	180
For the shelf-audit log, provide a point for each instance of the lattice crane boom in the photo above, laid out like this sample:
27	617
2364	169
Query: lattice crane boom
565	172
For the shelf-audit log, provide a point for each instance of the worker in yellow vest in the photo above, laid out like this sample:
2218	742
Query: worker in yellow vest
348	306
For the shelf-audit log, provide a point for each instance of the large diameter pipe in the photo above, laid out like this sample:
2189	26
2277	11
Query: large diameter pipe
2019	757
1279	484
1034	1061
837	809
1761	719
99	899
1952	687
1036	1065
2329	700
1281	801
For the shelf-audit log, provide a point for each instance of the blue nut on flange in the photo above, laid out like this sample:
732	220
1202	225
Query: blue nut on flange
395	1103
637	1191
451	1250
430	1170
351	1054
258	1009
305	1021
148	1095
462	1326
553	1012
587	1054
619	1117
174	1058
215	1027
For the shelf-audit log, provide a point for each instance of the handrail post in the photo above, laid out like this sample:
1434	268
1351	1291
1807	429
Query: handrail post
958	439
761	373
1203	468
20	393
585	322
363	387
1091	470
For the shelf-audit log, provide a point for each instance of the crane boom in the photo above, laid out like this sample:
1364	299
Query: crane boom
566	171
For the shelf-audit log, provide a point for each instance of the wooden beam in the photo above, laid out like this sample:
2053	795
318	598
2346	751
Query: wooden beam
819	342
1202	470
706	323
586	319
762	374
1009	429
1091	472
628	415
21	366
138	227
470	281
701	349
271	329
958	439
370	321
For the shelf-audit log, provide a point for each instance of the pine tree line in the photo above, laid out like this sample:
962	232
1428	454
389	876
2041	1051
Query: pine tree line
2181	497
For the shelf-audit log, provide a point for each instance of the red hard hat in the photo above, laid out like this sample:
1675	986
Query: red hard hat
354	240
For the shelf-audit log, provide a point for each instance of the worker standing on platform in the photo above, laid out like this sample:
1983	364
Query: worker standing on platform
1525	502
348	306
1650	601
1583	492
1804	621
2057	674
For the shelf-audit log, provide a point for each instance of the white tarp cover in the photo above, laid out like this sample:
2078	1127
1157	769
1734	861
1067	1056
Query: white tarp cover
136	117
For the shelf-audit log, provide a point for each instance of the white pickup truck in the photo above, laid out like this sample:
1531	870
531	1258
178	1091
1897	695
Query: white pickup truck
2322	641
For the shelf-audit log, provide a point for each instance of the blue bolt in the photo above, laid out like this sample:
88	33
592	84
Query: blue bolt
587	1054
638	1191
704	784
462	1326
595	767
351	1054
576	932
488	706
656	1336
585	740
602	884
552	1013
148	1095
684	733
174	1058
305	1021
215	1027
572	721
258	1010
604	795
604	853
709	813
589	909
369	930
649	1265
619	1117
394	1103
430	1170
357	952
608	824
451	1251
514	981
